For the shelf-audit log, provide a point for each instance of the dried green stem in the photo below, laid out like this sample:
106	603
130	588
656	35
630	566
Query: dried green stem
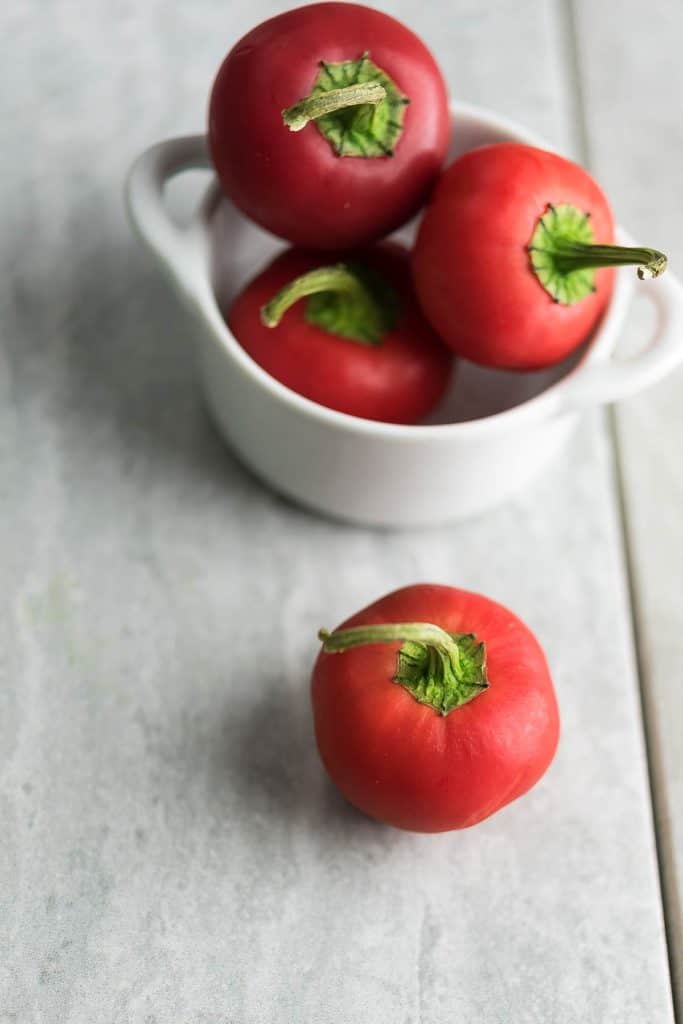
311	108
441	669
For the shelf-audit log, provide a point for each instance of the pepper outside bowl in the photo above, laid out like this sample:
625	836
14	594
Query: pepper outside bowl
492	433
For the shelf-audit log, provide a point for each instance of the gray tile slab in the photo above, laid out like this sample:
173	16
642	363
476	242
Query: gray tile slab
170	849
636	77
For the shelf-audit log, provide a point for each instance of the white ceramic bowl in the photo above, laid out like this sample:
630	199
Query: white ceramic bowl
492	432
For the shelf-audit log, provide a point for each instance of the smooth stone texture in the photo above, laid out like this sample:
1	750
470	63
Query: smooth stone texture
170	849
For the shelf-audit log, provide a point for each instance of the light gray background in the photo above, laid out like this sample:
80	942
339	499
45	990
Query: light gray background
169	848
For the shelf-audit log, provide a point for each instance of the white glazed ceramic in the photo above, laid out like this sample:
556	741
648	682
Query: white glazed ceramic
492	433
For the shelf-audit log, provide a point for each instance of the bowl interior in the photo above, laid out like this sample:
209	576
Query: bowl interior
239	250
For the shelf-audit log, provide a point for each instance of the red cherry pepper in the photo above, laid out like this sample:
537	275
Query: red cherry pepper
433	708
329	124
357	344
513	259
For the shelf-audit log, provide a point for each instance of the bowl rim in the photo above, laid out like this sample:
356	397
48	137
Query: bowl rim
545	402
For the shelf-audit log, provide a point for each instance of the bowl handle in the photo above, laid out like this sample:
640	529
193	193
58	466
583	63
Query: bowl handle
615	379
180	250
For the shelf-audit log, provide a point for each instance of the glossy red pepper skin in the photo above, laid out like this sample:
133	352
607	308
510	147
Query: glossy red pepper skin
400	761
398	381
471	264
293	184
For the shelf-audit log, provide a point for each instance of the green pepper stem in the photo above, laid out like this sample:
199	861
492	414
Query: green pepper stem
323	279
570	256
340	302
564	254
357	636
311	108
443	670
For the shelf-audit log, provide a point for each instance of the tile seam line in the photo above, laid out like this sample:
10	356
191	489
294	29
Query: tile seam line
566	18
